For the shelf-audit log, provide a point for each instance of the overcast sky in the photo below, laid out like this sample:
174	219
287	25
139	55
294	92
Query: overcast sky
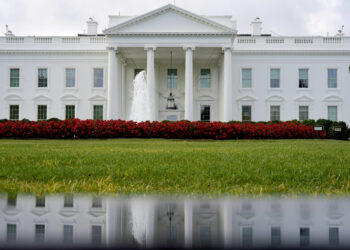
283	17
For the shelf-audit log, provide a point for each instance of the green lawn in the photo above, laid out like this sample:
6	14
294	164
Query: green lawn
243	167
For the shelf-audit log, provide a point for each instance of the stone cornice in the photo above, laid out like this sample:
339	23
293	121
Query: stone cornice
172	34
294	52
69	52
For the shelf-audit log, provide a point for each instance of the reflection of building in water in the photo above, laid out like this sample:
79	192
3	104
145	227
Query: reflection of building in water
78	220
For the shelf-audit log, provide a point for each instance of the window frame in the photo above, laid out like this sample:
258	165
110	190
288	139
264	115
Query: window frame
19	77
251	112
308	112
75	78
92	235
93	111
44	234
274	68
337	77
176	78
275	105
63	233
308	78
12	105
280	236
337	112
251	77
103	79
37	113
308	237
251	244
47	77
11	239
200	78
200	112
65	111
335	242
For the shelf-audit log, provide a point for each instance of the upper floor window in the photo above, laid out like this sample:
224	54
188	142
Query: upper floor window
246	78
70	78
98	78
205	78
42	78
303	113
96	202
14	112
40	201
274	78
14	78
275	113
11	201
246	113
332	78
205	113
172	78
68	201
333	113
303	78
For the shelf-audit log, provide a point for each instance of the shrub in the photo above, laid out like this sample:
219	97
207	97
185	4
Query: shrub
76	128
53	119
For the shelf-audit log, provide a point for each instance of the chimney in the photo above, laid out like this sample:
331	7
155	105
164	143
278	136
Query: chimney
255	27
92	27
8	32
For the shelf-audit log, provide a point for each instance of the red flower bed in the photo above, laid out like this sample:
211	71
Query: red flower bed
177	130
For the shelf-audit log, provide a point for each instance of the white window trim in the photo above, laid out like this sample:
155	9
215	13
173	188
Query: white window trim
37	78
241	233
276	225
308	77
9	77
211	78
103	103
45	233
76	78
74	231
20	107
269	78
93	77
337	88
249	103
241	78
103	233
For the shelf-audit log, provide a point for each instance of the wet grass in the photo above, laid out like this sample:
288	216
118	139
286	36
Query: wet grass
193	167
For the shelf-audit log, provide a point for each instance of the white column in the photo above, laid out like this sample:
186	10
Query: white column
150	208
112	83
150	81
189	84
228	112
124	98
112	223
188	211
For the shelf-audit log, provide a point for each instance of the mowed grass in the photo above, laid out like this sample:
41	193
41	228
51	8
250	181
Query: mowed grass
185	167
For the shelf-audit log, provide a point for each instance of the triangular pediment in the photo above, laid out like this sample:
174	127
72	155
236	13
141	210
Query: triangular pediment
169	19
333	98
69	98
275	98
246	98
304	98
41	98
97	98
205	98
13	98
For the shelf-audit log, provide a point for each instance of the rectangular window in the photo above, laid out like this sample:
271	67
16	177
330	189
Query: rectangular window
68	201
98	112
246	78
11	201
246	113
205	236
70	112
205	78
275	236
40	201
11	232
42	78
42	112
137	71
96	202
39	233
14	78
303	78
98	78
303	113
275	78
96	236
247	237
333	236
274	113
205	113
70	78
304	237
332	78
68	234
333	113
172	78
14	112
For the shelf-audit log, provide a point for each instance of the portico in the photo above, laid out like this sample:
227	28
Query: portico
199	45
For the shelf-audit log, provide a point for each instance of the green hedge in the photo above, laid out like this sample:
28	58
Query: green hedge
330	126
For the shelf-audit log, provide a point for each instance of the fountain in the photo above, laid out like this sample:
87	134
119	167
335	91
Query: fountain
141	105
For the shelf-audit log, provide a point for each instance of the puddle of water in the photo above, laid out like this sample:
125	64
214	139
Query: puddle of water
78	221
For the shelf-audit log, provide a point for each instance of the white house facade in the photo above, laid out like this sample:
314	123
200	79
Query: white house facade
214	74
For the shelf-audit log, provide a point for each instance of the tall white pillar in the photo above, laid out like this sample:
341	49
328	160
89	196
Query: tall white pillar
112	83
227	212
150	81
124	98
188	211
228	112
150	219
112	222
189	84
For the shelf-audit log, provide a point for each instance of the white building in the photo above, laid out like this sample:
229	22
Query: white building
66	221
217	74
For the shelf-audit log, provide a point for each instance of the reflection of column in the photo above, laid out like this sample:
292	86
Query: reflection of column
113	222
188	210
189	84
150	81
150	211
228	84
112	83
227	224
